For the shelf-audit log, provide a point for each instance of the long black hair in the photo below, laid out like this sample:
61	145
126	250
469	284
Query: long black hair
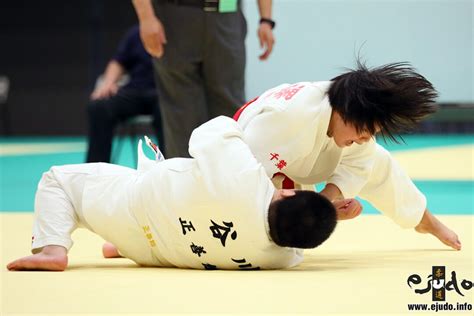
393	97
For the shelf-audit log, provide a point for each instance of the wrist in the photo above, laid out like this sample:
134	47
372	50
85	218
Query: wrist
331	192
109	83
327	195
268	21
144	10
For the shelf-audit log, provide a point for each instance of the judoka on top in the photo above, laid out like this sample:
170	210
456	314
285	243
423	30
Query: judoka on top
286	129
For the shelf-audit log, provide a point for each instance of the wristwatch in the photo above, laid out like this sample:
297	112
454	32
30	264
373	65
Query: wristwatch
268	21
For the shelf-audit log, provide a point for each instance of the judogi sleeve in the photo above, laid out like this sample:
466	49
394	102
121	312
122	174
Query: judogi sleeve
369	171
354	169
392	192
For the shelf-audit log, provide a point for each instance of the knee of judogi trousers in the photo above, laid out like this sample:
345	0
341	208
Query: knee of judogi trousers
392	192
55	218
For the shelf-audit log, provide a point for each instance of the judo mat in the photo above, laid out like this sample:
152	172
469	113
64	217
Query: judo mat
368	266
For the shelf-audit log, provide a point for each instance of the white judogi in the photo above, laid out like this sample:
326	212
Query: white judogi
207	212
286	129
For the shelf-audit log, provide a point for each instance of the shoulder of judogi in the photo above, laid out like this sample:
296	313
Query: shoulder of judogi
283	123
300	97
287	107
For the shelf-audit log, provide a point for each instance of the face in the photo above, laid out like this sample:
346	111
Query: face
346	134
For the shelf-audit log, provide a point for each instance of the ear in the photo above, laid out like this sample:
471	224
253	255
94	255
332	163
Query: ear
287	192
282	193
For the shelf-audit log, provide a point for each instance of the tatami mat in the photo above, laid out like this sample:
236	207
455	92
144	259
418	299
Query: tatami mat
362	269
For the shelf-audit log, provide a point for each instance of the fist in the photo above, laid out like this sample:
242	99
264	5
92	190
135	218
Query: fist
347	208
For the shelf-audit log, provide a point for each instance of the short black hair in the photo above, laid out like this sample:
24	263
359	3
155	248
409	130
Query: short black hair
304	220
393	97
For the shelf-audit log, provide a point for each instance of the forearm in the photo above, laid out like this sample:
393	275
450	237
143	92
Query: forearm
113	72
332	192
144	9
265	8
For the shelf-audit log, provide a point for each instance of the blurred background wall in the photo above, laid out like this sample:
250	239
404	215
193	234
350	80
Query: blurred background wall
316	39
52	50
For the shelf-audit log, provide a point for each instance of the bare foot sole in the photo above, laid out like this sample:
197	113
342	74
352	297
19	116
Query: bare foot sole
444	234
110	251
447	237
39	261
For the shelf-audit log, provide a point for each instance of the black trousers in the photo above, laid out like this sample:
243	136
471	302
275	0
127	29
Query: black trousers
104	115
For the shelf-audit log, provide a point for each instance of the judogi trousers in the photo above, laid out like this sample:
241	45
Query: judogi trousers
59	211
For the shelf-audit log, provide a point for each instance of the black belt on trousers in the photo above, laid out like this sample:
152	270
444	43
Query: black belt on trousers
206	5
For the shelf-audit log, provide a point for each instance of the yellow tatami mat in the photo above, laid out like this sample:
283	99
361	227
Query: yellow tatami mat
446	163
362	269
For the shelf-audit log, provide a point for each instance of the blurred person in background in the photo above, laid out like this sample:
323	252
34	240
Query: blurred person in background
199	50
112	104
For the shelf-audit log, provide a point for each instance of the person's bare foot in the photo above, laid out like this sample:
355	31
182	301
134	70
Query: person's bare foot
110	251
431	225
51	258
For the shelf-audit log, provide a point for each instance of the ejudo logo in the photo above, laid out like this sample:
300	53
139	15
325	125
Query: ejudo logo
438	283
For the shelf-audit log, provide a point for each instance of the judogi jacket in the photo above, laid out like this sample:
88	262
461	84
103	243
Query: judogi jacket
209	212
286	129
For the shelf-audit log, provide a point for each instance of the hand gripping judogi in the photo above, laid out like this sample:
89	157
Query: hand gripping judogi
209	212
286	130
